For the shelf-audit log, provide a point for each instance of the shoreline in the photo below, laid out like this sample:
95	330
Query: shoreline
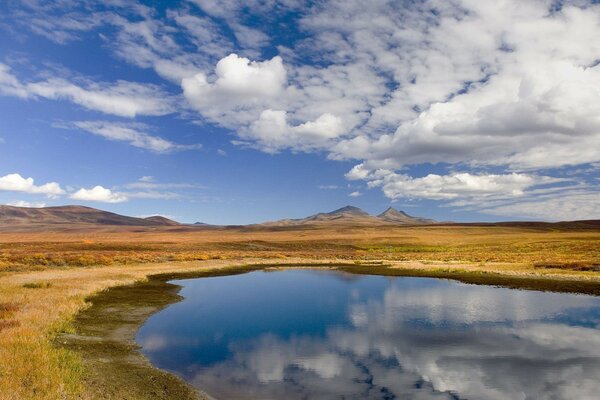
88	335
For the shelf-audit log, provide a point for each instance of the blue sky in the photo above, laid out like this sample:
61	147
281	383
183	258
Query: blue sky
238	112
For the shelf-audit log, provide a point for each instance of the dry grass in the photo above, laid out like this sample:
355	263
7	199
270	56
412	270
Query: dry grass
30	366
43	285
473	244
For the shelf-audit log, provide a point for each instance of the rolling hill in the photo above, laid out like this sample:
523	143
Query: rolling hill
10	215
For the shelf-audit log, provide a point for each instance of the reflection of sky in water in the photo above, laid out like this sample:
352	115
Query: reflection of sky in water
305	334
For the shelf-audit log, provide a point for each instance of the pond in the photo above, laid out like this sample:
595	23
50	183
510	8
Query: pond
318	334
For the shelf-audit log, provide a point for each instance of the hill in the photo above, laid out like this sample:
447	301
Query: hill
10	215
160	220
400	217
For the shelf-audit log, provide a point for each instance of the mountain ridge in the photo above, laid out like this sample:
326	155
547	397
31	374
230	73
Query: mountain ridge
351	215
73	214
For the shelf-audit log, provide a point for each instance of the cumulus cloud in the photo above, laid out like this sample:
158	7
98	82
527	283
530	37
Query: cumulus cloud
99	194
134	135
125	99
491	84
16	183
272	132
455	185
503	84
239	85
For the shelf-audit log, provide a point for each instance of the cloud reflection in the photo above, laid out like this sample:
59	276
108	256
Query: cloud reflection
444	342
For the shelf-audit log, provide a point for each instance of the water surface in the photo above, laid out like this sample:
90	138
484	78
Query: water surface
309	334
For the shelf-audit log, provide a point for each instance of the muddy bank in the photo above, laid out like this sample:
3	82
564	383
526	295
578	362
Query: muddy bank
104	336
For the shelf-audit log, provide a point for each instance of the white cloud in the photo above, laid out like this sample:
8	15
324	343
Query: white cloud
455	185
9	84
272	132
509	84
238	85
125	99
23	203
355	194
528	107
564	207
205	34
357	172
16	183
134	135
99	194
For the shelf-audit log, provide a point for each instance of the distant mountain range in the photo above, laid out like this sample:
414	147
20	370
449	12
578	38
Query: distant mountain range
10	215
67	217
350	215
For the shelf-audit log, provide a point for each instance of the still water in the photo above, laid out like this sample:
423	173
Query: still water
308	334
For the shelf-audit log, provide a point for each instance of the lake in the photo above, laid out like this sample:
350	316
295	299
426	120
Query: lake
318	334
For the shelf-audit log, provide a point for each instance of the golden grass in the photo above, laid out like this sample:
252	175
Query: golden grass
45	278
30	366
473	244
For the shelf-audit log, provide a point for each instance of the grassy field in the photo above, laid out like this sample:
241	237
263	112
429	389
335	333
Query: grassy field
46	278
534	247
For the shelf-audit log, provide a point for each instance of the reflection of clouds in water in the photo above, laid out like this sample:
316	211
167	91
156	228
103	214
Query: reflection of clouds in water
530	360
443	342
464	304
307	368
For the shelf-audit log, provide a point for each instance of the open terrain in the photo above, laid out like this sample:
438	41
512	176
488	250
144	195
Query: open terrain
51	263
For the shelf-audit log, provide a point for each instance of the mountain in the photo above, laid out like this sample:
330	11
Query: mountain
347	215
348	210
10	215
160	220
400	217
350	215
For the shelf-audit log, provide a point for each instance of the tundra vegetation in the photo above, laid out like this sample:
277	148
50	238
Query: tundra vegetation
48	282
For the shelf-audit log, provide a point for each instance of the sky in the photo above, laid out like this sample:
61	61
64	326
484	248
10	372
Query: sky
233	112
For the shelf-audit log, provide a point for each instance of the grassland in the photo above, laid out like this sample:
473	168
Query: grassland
530	247
46	281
